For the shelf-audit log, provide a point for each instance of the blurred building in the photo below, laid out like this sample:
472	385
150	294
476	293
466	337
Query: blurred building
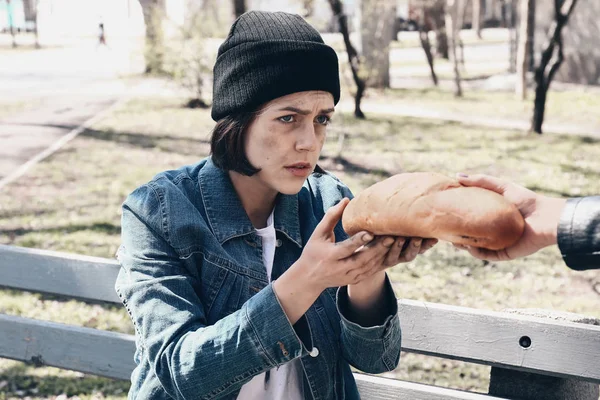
580	37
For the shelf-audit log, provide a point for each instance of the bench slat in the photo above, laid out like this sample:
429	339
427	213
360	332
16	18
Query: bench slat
479	336
378	388
82	277
71	347
565	349
110	354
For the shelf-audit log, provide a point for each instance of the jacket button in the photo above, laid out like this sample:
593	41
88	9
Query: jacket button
278	243
314	352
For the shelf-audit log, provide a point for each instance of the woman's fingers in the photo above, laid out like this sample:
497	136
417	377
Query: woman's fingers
412	250
427	244
393	255
372	254
349	247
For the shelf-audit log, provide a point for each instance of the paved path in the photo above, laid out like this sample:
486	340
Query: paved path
69	87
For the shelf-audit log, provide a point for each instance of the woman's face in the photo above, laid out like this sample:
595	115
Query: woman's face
286	138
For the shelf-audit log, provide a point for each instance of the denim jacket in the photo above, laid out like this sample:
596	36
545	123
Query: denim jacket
206	319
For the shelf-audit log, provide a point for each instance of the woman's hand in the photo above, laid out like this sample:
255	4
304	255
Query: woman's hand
325	263
541	215
330	264
401	249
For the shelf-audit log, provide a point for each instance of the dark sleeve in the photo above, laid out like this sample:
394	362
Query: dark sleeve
579	233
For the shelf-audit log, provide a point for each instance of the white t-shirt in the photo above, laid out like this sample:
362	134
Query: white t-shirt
285	382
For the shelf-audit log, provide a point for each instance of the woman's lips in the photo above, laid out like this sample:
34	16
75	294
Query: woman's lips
299	169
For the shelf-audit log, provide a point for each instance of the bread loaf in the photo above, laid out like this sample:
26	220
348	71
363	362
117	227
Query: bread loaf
431	205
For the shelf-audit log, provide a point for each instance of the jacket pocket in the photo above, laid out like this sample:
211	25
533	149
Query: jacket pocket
218	285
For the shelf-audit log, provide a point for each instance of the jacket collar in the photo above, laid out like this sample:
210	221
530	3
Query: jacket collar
227	217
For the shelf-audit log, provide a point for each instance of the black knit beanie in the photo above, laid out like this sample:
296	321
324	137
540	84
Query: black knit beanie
269	55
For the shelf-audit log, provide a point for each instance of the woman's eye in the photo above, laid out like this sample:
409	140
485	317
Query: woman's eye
323	120
287	119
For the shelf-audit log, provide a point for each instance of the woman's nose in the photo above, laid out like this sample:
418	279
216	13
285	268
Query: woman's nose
307	138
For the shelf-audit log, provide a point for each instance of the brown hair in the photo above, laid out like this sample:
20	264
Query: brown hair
227	143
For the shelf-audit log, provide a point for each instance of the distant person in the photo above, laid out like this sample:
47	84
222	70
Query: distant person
101	35
573	224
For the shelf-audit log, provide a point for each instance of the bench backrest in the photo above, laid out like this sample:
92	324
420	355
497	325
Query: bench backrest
555	348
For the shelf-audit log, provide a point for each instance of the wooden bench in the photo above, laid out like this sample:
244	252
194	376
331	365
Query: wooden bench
556	351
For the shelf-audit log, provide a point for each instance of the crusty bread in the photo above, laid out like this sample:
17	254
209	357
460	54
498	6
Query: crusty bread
431	205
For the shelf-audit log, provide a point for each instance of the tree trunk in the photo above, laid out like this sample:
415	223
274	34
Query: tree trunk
239	7
353	58
14	37
513	38
460	20
30	9
377	23
523	48
154	53
426	45
563	10
437	20
11	23
452	12
35	19
477	17
531	34
441	45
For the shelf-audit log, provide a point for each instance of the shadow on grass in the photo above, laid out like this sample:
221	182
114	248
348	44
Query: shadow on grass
587	140
22	381
137	139
342	163
581	170
145	141
406	126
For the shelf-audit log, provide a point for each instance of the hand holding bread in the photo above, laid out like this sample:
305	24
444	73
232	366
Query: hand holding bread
431	205
541	214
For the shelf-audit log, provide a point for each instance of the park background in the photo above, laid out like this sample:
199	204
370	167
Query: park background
444	85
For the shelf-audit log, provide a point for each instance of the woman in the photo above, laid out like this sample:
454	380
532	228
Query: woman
231	267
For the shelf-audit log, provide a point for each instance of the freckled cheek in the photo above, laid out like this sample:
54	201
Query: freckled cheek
265	151
321	140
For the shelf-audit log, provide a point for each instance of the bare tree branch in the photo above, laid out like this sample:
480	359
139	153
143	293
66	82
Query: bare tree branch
452	11
526	8
353	58
562	12
425	44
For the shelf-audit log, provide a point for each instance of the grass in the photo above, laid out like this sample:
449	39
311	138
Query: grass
9	108
444	70
577	107
71	202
